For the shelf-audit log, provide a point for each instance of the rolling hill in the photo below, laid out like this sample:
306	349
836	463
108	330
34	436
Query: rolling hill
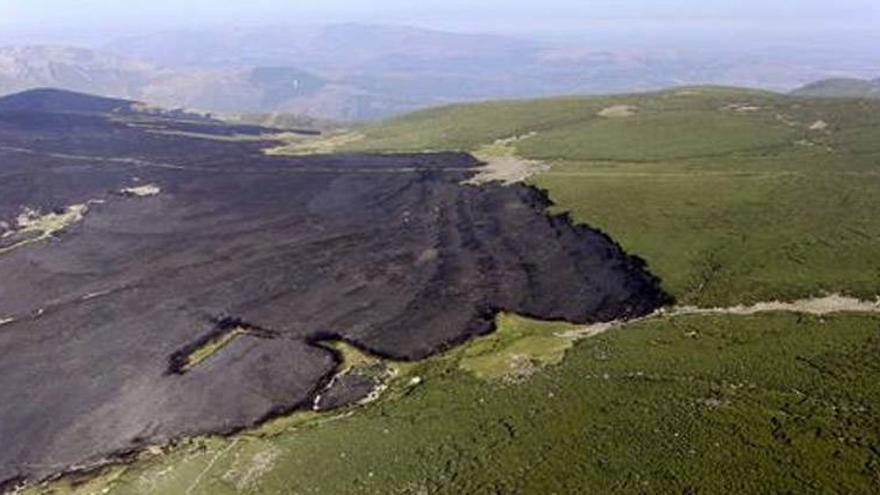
734	198
737	149
47	100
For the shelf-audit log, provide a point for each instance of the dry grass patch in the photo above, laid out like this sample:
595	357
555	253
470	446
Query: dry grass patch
618	111
503	165
316	145
211	348
34	226
142	191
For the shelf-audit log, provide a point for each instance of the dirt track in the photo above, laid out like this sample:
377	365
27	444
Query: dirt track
816	306
390	253
819	306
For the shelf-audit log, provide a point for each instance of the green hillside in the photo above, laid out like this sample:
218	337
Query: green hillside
841	88
732	197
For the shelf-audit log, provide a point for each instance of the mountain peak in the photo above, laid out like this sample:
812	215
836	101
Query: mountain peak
51	100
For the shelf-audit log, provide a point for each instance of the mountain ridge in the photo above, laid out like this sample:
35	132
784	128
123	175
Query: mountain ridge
841	88
361	72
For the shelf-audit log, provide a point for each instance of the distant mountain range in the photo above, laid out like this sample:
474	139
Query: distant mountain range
324	48
24	67
841	88
89	71
358	72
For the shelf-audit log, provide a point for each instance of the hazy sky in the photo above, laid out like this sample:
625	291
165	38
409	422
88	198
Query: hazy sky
513	16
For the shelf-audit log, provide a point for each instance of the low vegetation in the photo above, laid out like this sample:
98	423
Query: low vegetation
518	349
319	144
282	120
210	348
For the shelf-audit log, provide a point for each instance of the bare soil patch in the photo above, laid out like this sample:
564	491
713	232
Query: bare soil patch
819	125
619	111
501	164
817	306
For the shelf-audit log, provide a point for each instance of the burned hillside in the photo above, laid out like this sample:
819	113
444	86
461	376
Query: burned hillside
104	305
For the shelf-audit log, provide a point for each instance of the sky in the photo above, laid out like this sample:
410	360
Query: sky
546	17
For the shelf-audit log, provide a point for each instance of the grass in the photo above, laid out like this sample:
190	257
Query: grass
660	135
732	236
236	138
212	347
44	226
517	349
772	403
469	126
312	145
359	362
352	357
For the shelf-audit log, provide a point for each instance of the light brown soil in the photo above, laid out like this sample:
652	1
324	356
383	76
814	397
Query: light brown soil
619	112
831	304
502	164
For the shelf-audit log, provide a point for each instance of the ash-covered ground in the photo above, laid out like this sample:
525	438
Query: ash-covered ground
185	242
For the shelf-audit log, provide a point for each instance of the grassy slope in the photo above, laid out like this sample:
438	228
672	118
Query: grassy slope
776	403
726	206
727	209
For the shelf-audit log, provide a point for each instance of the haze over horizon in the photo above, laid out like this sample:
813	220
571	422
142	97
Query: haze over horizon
351	61
630	20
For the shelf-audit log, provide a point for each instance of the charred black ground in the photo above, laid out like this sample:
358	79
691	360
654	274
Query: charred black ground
390	253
